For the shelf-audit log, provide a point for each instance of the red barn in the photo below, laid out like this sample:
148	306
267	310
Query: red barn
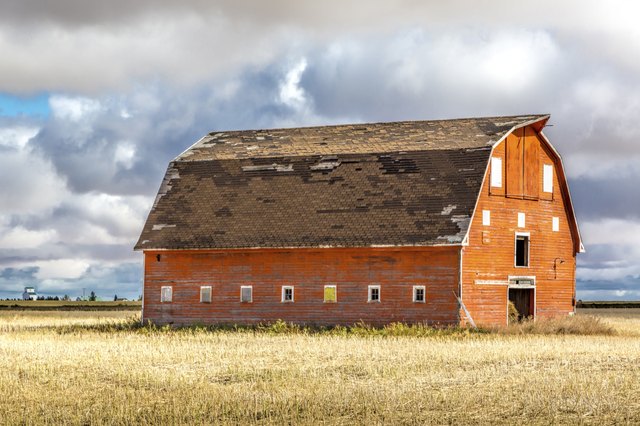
440	222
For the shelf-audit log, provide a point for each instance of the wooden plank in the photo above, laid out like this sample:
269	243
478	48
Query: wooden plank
515	159
531	166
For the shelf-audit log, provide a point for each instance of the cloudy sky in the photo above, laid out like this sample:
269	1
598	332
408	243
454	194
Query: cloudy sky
97	97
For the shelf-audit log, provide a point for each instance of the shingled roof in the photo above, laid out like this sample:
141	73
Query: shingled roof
383	184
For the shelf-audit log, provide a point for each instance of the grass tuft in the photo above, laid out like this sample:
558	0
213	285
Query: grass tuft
584	325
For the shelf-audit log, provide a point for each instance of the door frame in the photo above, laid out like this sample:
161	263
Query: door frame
512	279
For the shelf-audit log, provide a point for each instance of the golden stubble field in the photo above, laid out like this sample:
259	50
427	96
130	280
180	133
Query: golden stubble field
97	368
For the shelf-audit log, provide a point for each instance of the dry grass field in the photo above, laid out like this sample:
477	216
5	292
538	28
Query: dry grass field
100	368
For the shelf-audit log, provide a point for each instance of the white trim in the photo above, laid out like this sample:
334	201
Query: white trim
283	292
424	293
555	224
250	287
515	245
164	299
521	277
486	217
202	289
335	293
372	287
183	152
522	220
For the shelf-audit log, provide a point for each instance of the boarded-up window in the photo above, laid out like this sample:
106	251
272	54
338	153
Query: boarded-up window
555	224
205	294
486	217
287	294
246	294
419	293
521	220
166	294
496	172
547	178
374	293
330	294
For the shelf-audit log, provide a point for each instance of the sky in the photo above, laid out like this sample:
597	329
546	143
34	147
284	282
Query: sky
97	97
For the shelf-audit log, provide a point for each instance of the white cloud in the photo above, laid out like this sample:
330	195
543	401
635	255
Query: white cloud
125	154
21	238
17	137
61	268
291	93
72	108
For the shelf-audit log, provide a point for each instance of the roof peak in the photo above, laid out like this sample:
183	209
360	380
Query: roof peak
358	138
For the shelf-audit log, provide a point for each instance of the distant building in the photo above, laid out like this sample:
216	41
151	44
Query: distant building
29	294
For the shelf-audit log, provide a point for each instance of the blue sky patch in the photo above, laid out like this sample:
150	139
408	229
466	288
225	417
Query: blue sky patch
33	106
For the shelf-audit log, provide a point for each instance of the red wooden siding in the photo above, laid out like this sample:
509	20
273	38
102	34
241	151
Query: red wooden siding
352	270
488	261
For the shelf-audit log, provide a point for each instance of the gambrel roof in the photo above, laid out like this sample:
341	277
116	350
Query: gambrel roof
412	183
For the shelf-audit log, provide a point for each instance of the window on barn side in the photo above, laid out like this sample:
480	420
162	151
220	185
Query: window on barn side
374	293
205	294
486	217
521	220
522	250
419	294
330	294
496	172
246	294
166	294
555	224
547	178
287	294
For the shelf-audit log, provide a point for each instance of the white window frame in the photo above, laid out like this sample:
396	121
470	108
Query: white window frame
496	178
203	288
415	293
284	290
163	294
335	292
547	178
250	287
522	220
486	217
515	249
555	224
369	293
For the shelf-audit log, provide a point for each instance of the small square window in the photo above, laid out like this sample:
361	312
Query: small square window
205	294
555	224
287	293
166	294
330	294
246	294
486	217
374	293
419	293
521	220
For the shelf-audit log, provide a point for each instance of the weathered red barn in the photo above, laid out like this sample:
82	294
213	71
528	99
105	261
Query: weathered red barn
440	222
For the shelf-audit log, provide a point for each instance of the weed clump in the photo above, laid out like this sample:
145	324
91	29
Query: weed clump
585	325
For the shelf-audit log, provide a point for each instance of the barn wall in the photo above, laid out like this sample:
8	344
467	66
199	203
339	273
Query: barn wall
488	261
396	270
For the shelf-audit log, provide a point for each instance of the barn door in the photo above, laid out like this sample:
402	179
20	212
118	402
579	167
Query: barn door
523	300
